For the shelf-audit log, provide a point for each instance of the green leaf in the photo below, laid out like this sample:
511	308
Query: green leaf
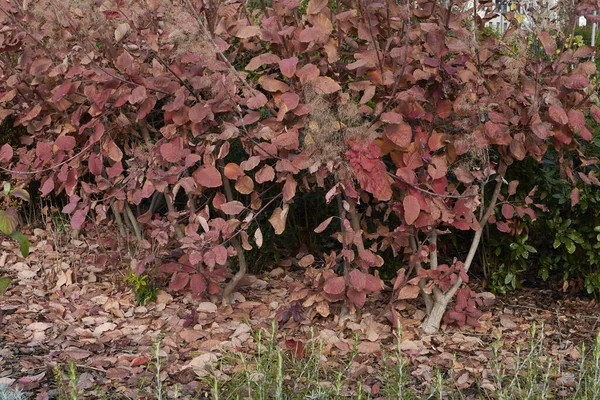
4	282
530	248
570	246
23	242
6	188
8	221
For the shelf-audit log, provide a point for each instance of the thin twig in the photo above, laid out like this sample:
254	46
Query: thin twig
443	196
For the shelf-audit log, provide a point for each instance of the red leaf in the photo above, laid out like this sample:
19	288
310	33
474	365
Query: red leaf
508	211
250	163
78	217
287	140
61	91
233	171
357	297
197	284
6	153
47	186
296	346
124	61
179	280
497	132
371	259
326	85
370	171
409	292
289	188
576	120
595	111
576	82
95	164
558	115
232	208
288	66
65	143
198	112
138	95
208	176
246	32
220	253
400	134
335	285
373	283
517	150
145	108
311	34
171	152
323	225
257	101
585	134
136	362
39	66
548	42
262	59
266	174
411	209
358	279
290	99
271	84
541	130
512	187
307	73
574	197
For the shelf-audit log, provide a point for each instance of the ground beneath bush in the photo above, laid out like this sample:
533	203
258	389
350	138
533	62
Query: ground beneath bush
68	302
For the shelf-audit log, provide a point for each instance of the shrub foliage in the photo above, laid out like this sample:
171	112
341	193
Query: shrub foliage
406	114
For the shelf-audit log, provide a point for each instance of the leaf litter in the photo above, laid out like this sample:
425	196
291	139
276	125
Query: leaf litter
68	303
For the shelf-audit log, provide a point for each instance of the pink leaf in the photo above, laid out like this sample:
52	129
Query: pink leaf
408	292
197	284
138	95
171	152
558	115
595	112
323	225
65	143
288	66
179	280
39	66
6	153
400	134
78	217
208	176
411	209
289	188
326	85
548	42
198	112
61	91
310	34
358	297
232	208
358	279
335	285
574	197
95	164
508	211
47	186
256	101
